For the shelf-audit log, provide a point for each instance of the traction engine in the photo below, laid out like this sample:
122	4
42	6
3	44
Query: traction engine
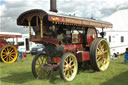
68	41
8	51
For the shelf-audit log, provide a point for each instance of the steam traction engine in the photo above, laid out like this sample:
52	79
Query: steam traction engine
8	51
68	41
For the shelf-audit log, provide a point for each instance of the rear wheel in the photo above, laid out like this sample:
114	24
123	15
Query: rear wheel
38	66
8	54
68	67
99	54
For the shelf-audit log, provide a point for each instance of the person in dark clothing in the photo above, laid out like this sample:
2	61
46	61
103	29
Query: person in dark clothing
54	31
126	56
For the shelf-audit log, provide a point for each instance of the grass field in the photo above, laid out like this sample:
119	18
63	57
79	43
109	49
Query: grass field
19	73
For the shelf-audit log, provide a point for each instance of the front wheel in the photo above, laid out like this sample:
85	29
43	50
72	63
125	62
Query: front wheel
68	67
38	69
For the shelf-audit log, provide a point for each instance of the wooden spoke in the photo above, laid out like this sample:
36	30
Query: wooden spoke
99	54
5	57
72	65
5	50
71	72
12	50
98	49
102	45
99	46
41	60
65	69
105	51
38	61
11	57
66	61
68	74
71	62
13	53
8	50
99	58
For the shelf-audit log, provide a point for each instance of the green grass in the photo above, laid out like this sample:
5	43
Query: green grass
19	73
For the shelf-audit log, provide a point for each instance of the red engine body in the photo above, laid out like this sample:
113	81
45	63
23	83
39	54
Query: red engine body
82	56
79	46
72	47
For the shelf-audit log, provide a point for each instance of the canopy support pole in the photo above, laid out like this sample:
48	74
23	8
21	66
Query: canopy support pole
29	23
16	40
41	25
37	21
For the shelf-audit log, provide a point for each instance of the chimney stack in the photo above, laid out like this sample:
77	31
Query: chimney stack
53	6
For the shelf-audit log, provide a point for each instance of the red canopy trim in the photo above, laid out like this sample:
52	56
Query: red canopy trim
79	21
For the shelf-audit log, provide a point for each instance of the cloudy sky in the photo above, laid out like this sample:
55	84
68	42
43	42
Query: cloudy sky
11	9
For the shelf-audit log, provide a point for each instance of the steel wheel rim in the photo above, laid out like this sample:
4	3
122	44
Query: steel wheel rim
39	64
9	54
103	55
70	67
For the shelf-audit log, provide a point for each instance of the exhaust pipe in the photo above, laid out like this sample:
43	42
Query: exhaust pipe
53	6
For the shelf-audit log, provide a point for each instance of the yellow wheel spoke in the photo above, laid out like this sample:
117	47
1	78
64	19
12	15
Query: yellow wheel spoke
41	60
13	53
66	61
100	63
65	69
5	50
72	65
105	51
71	72
11	50
98	49
99	46
5	57
11	57
38	61
71	61
68	74
8	50
98	58
102	46
98	54
44	61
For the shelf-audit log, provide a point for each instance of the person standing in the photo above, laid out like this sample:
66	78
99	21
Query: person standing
126	56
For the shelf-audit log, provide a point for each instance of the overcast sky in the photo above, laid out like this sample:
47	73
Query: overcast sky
98	9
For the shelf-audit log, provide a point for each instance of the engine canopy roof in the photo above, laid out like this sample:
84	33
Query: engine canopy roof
60	18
